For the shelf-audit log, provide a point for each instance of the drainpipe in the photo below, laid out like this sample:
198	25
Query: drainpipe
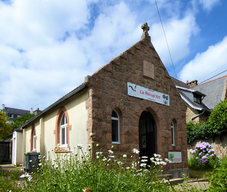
198	115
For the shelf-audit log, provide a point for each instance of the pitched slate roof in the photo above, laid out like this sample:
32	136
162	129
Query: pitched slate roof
187	94
215	91
9	110
179	83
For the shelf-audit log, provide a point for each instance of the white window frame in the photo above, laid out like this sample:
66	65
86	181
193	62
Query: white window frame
173	134
63	126
33	140
118	126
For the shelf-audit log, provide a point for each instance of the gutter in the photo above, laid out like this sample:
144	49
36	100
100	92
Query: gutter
194	107
198	115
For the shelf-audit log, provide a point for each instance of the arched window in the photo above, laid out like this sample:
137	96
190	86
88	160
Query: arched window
33	140
173	134
115	127
63	131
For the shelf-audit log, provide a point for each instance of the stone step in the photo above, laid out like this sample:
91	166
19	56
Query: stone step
176	180
166	176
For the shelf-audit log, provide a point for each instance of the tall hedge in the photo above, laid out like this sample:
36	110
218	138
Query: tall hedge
215	126
218	118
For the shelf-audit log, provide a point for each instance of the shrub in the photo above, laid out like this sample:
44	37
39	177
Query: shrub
218	177
197	131
218	118
8	180
72	172
203	157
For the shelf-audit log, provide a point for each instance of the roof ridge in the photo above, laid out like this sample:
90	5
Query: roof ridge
179	80
210	81
17	109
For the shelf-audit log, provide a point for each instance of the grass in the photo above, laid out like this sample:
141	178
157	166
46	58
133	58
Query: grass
9	180
198	174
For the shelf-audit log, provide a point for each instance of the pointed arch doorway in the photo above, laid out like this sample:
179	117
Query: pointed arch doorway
147	135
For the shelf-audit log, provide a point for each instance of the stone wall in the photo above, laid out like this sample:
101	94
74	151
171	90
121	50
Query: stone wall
108	92
193	112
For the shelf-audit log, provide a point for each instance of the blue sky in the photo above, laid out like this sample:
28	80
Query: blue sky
48	47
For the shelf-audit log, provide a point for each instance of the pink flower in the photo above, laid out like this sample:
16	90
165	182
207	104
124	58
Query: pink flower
192	151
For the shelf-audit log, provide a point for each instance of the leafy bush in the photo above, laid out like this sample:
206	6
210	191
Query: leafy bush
218	177
218	118
198	131
203	157
215	126
8	180
72	172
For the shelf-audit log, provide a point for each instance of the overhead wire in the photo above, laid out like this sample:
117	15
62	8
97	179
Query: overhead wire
213	71
213	76
165	37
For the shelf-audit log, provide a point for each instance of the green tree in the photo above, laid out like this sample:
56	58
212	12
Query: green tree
5	128
19	121
218	118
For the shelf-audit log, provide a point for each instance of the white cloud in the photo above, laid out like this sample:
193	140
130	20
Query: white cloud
205	63
209	4
39	22
48	67
178	33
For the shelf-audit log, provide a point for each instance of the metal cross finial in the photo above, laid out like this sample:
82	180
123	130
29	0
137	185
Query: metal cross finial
145	28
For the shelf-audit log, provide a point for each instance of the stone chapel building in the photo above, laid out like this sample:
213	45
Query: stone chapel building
131	102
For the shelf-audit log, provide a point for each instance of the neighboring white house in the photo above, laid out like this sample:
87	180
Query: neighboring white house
17	147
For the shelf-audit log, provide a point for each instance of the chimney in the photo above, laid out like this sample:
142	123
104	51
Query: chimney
192	83
31	110
3	106
37	111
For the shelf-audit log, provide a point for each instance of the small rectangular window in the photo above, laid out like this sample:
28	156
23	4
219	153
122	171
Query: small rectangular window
172	134
115	128
115	131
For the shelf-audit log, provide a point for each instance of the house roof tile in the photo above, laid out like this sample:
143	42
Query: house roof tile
214	90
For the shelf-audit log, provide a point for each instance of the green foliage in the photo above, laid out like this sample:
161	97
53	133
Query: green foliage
215	126
218	177
19	121
9	180
197	131
218	118
5	128
71	172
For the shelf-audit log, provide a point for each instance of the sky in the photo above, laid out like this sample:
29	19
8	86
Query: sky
47	47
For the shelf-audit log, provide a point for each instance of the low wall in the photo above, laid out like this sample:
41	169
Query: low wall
219	145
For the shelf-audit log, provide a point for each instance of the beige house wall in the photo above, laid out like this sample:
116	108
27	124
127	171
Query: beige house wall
45	126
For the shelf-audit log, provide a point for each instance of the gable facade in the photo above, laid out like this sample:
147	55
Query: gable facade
106	108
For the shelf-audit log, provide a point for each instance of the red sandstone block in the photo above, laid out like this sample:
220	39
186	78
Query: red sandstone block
108	118
95	92
106	127
124	139
135	130
131	139
108	137
135	121
108	67
109	86
178	148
